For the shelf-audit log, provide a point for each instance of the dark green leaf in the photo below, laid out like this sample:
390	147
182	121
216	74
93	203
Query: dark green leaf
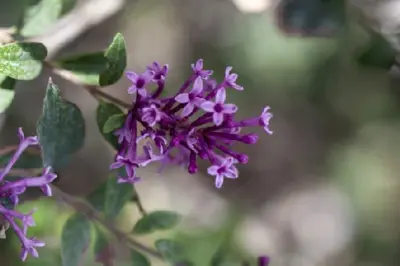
6	92
116	58
113	123
98	197
103	249
103	113
86	67
379	53
61	128
75	239
157	220
22	61
171	250
138	259
40	16
117	195
110	196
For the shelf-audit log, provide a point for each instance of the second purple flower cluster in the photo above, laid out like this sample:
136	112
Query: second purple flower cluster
195	123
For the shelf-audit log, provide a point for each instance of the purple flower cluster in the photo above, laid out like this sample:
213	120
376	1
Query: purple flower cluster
196	123
9	198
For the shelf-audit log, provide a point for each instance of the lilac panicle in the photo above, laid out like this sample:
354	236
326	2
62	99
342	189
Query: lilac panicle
9	197
196	123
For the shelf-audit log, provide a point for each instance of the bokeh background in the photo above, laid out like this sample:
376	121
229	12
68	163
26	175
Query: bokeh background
322	190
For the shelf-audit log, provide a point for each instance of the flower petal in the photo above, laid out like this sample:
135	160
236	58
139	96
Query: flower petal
197	86
221	96
219	180
182	98
230	108
132	76
208	106
188	109
218	118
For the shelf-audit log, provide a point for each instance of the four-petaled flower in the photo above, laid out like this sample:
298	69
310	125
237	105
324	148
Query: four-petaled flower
225	169
199	71
191	99
219	108
230	79
139	82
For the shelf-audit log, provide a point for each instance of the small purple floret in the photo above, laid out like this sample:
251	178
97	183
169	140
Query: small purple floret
196	123
9	197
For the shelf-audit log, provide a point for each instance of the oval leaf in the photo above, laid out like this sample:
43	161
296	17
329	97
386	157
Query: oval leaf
75	239
39	17
117	195
116	58
61	128
103	249
22	61
103	113
379	53
114	122
138	259
157	220
86	67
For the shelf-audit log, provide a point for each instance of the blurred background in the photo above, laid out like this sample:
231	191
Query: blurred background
322	190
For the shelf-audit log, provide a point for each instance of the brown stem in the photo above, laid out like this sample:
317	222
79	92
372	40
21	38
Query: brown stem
138	202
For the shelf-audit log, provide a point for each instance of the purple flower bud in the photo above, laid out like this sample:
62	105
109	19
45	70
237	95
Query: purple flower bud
160	73
230	79
198	70
9	197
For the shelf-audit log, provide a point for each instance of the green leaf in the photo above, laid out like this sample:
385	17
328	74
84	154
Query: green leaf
171	250
110	196
68	5
98	197
86	67
6	92
116	58
22	61
379	53
61	128
103	249
157	220
75	239
103	113
138	259
117	195
39	17
114	122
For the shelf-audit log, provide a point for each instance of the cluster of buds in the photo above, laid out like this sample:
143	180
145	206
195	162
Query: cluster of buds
195	123
9	198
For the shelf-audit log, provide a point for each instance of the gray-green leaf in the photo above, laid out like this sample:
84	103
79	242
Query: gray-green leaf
22	61
86	67
116	58
103	113
138	259
157	220
117	195
75	239
114	122
39	17
61	128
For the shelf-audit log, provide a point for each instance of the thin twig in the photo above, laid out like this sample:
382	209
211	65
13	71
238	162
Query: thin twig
138	203
24	172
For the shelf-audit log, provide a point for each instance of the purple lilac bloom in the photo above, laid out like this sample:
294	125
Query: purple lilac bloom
196	123
9	197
